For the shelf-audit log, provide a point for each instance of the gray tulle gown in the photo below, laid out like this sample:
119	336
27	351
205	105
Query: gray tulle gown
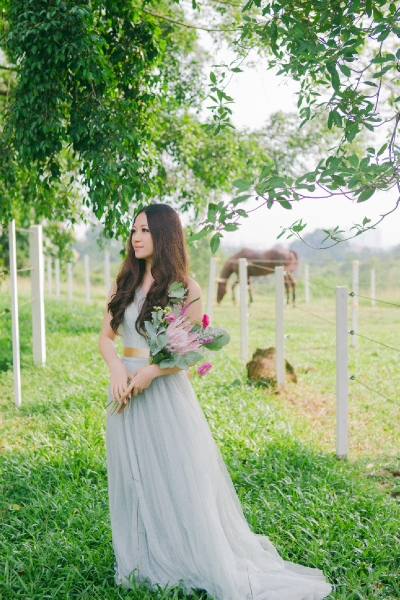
175	515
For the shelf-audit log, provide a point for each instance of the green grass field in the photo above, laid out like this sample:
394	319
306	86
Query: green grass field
340	516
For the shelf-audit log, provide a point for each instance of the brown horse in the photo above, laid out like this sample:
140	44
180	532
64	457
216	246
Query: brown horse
260	262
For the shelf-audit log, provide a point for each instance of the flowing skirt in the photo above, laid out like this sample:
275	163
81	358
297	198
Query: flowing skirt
175	516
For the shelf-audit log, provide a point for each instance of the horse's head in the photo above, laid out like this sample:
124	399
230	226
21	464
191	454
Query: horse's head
221	289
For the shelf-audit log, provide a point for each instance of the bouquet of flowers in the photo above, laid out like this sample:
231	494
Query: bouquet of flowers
175	341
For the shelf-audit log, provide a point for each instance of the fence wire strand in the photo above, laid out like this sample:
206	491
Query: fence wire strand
269	269
7	272
8	310
353	378
375	299
328	287
316	316
27	302
351	332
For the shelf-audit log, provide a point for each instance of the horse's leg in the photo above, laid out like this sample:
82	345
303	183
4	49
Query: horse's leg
287	288
292	285
234	284
294	292
250	289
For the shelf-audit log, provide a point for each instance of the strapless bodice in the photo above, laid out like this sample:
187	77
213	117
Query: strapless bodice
130	337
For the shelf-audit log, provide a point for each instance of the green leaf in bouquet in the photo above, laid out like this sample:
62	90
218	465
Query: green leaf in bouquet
167	363
150	329
157	317
162	339
181	361
218	342
154	348
196	327
156	359
162	355
176	291
193	357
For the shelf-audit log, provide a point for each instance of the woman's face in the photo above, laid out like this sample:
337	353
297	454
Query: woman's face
142	242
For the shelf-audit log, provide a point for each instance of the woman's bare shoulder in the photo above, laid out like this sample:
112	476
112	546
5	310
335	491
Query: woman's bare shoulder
195	311
193	287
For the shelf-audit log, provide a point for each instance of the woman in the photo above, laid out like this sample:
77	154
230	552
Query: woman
175	515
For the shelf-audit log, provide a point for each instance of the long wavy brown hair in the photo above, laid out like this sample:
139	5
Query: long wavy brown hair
169	264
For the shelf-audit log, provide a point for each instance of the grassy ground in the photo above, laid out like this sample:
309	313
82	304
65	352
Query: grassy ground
339	516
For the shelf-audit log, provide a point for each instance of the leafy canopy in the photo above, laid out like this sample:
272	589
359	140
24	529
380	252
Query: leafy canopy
104	98
346	57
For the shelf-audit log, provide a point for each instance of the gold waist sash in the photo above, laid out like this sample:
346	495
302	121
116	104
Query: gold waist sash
144	353
137	352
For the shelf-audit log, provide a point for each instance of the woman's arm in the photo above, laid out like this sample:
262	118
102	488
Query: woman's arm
107	336
119	373
195	310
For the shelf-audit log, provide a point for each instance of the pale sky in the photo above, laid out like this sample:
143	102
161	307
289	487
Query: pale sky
257	94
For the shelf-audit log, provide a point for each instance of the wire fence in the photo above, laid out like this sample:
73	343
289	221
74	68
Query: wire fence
353	378
6	311
7	272
316	316
352	294
352	333
314	282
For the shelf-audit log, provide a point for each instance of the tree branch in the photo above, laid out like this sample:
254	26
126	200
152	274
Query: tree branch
238	4
358	227
182	23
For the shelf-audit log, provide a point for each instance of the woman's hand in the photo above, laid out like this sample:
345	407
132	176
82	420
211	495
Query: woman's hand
119	376
141	380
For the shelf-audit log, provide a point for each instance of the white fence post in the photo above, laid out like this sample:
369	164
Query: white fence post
211	285
307	283
14	314
373	290
49	276
57	277
69	281
354	312
107	272
243	293
87	279
342	374
280	328
37	283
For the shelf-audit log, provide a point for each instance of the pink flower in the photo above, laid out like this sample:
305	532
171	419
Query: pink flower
205	321
180	340
170	317
204	368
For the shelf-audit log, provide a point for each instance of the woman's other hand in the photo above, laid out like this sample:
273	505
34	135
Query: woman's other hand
119	377
141	380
